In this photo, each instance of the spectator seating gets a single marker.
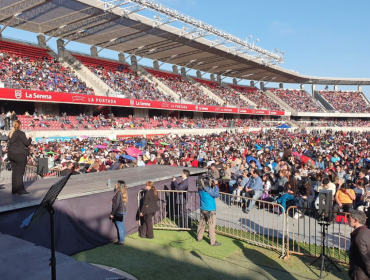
(122, 79)
(183, 88)
(299, 100)
(29, 67)
(258, 97)
(347, 101)
(84, 122)
(336, 123)
(228, 95)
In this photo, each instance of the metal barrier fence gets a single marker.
(173, 214)
(258, 226)
(30, 173)
(304, 235)
(264, 225)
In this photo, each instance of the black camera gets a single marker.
(205, 180)
(3, 137)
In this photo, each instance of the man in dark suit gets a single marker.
(181, 198)
(359, 253)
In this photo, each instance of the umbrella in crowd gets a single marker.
(101, 146)
(250, 158)
(129, 157)
(302, 158)
(133, 152)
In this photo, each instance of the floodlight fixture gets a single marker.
(171, 57)
(190, 62)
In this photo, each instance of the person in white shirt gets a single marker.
(140, 162)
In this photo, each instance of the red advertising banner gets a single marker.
(59, 97)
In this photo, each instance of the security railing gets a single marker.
(30, 173)
(304, 235)
(264, 225)
(180, 210)
(173, 213)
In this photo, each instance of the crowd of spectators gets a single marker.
(261, 100)
(228, 95)
(299, 100)
(347, 101)
(123, 80)
(45, 73)
(186, 90)
(41, 122)
(337, 123)
(289, 167)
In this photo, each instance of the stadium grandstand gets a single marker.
(175, 93)
(119, 26)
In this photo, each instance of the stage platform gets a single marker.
(88, 184)
(83, 207)
(23, 260)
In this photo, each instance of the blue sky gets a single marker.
(321, 38)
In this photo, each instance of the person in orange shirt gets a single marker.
(344, 199)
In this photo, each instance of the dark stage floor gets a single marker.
(88, 184)
(23, 260)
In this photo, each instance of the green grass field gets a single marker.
(177, 255)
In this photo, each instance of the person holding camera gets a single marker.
(117, 215)
(208, 193)
(181, 198)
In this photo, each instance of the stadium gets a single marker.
(203, 98)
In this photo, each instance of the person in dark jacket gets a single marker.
(18, 152)
(118, 213)
(149, 207)
(359, 252)
(1, 161)
(181, 198)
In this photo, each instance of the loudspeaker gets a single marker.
(42, 166)
(325, 203)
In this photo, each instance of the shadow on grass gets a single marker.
(329, 268)
(151, 261)
(265, 262)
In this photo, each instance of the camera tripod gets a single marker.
(323, 257)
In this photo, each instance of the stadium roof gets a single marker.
(91, 22)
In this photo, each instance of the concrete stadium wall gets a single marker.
(335, 128)
(107, 133)
(332, 115)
